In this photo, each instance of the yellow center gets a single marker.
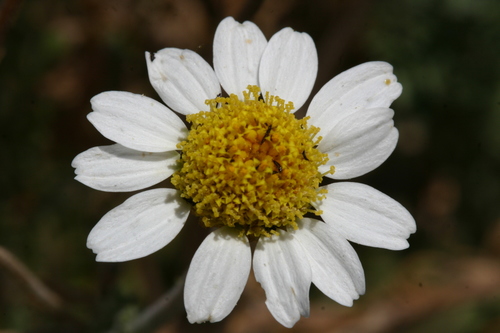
(250, 164)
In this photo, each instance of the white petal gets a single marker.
(119, 169)
(136, 122)
(283, 270)
(237, 51)
(366, 86)
(217, 276)
(289, 66)
(183, 79)
(367, 216)
(336, 269)
(359, 143)
(143, 224)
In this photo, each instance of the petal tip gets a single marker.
(193, 319)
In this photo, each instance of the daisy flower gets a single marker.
(250, 170)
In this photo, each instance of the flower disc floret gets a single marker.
(250, 164)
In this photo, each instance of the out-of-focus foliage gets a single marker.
(446, 169)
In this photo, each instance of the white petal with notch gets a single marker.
(289, 66)
(366, 86)
(238, 48)
(116, 168)
(359, 143)
(336, 268)
(281, 267)
(136, 122)
(143, 224)
(366, 216)
(217, 276)
(183, 79)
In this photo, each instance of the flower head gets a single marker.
(250, 170)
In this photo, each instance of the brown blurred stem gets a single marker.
(158, 313)
(432, 284)
(29, 280)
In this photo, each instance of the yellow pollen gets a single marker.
(250, 164)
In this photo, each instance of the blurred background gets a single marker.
(56, 54)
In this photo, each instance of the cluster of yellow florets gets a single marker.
(250, 163)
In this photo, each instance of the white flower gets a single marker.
(352, 115)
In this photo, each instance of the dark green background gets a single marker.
(55, 55)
